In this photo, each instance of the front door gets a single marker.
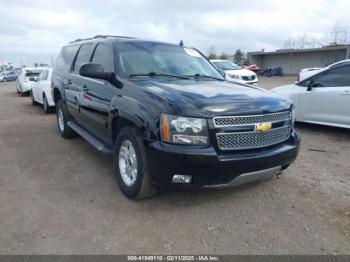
(329, 99)
(96, 95)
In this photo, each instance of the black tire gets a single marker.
(46, 107)
(34, 103)
(66, 131)
(143, 186)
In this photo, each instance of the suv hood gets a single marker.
(213, 98)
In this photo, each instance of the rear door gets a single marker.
(329, 99)
(76, 83)
(97, 94)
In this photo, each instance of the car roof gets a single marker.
(34, 68)
(114, 39)
(340, 63)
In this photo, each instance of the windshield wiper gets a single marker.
(204, 76)
(154, 74)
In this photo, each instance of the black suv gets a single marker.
(169, 117)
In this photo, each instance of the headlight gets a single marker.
(293, 117)
(184, 130)
(234, 76)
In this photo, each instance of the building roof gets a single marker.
(288, 51)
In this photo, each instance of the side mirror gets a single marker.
(94, 70)
(33, 79)
(309, 85)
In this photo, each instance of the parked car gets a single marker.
(26, 78)
(234, 72)
(41, 91)
(256, 69)
(168, 116)
(323, 98)
(275, 71)
(308, 72)
(8, 76)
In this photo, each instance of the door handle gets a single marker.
(69, 82)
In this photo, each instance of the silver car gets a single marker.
(323, 98)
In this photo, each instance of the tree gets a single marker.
(212, 53)
(338, 34)
(239, 56)
(223, 56)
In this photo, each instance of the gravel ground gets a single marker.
(59, 197)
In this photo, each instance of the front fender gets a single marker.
(135, 112)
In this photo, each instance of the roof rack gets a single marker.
(101, 36)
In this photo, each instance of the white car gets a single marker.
(26, 78)
(308, 72)
(323, 98)
(236, 73)
(41, 91)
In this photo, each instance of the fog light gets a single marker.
(181, 179)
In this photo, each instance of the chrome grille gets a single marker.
(251, 140)
(226, 121)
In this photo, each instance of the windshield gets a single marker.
(157, 59)
(226, 65)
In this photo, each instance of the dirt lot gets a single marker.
(59, 197)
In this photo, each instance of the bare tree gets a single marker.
(223, 56)
(212, 53)
(338, 34)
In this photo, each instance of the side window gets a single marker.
(84, 55)
(103, 57)
(334, 77)
(66, 57)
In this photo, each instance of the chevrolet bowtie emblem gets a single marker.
(263, 127)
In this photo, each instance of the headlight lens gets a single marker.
(234, 76)
(184, 130)
(293, 117)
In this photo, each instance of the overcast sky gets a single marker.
(35, 30)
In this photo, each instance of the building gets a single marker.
(293, 60)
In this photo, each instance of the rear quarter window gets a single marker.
(65, 58)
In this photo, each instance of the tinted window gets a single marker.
(103, 57)
(335, 77)
(84, 55)
(33, 73)
(226, 65)
(66, 57)
(147, 57)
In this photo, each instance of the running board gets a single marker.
(100, 146)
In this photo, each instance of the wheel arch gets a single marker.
(56, 95)
(123, 119)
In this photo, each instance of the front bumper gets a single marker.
(210, 168)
